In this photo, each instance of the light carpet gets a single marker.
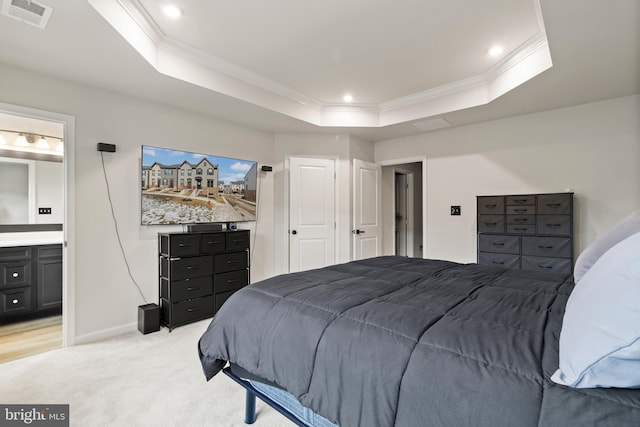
(132, 380)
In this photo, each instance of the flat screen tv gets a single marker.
(180, 187)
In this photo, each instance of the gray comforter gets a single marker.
(394, 341)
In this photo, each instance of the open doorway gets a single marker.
(403, 207)
(33, 171)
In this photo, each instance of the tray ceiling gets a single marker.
(400, 61)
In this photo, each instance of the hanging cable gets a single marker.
(115, 223)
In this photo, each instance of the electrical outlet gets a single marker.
(44, 211)
(456, 210)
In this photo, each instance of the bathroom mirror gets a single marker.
(31, 174)
(31, 192)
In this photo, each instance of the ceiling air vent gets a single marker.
(27, 11)
(432, 124)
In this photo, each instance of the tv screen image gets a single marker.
(181, 187)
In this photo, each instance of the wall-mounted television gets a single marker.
(181, 187)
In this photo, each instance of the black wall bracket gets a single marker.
(109, 148)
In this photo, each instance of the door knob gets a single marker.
(358, 231)
(294, 232)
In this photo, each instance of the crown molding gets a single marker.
(178, 60)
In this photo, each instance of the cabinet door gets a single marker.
(49, 283)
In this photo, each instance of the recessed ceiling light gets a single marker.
(496, 51)
(347, 98)
(172, 11)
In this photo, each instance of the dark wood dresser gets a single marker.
(528, 232)
(199, 272)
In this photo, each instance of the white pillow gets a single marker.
(625, 228)
(600, 336)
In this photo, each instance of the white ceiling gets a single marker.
(284, 65)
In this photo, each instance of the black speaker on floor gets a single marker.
(148, 318)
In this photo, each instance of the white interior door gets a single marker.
(311, 213)
(367, 209)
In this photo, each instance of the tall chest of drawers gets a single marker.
(528, 232)
(199, 272)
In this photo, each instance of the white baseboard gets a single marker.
(105, 334)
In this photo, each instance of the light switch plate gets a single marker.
(456, 210)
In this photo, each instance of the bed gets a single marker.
(395, 341)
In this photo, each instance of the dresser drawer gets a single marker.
(221, 298)
(521, 210)
(180, 290)
(554, 265)
(521, 229)
(192, 310)
(16, 273)
(212, 243)
(521, 219)
(550, 204)
(500, 244)
(554, 225)
(231, 262)
(186, 268)
(491, 223)
(525, 199)
(547, 246)
(15, 301)
(230, 281)
(15, 253)
(490, 205)
(238, 240)
(499, 260)
(178, 245)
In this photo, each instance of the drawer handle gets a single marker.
(520, 220)
(184, 245)
(546, 267)
(553, 205)
(554, 225)
(15, 301)
(491, 224)
(192, 310)
(520, 200)
(520, 210)
(521, 229)
(232, 261)
(498, 262)
(497, 244)
(231, 281)
(545, 247)
(15, 274)
(238, 240)
(490, 206)
(214, 243)
(193, 288)
(193, 267)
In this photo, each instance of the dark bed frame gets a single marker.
(250, 401)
